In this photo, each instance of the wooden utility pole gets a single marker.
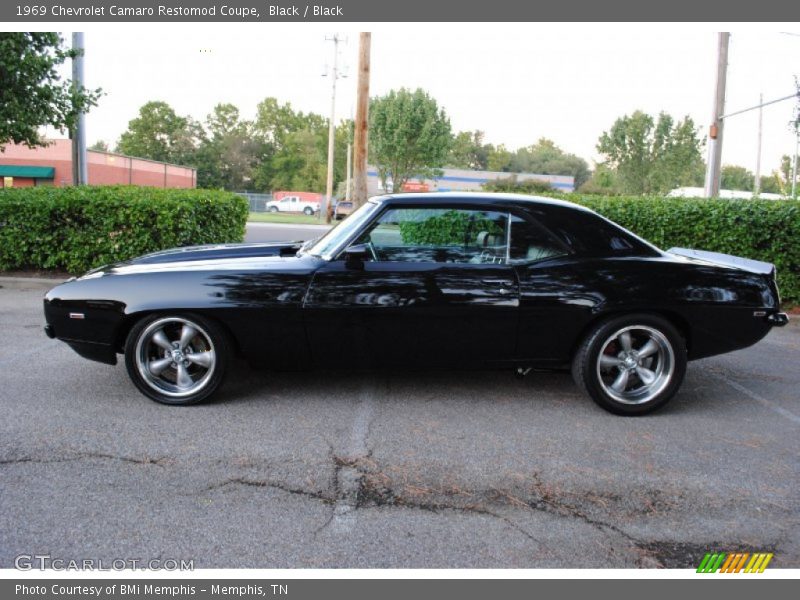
(348, 178)
(361, 140)
(715, 131)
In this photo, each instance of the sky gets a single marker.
(515, 82)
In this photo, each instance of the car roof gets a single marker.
(461, 198)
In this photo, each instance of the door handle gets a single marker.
(503, 286)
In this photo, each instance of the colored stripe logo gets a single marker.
(734, 562)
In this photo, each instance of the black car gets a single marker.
(426, 281)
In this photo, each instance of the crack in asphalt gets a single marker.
(159, 462)
(264, 483)
(370, 487)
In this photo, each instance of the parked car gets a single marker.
(426, 281)
(293, 204)
(343, 209)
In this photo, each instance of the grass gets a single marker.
(296, 219)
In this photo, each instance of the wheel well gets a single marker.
(130, 320)
(676, 320)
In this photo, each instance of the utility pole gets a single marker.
(757, 184)
(715, 131)
(332, 129)
(349, 175)
(796, 124)
(80, 175)
(361, 141)
(794, 161)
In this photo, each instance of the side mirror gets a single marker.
(355, 255)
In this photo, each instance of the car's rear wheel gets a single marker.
(631, 365)
(308, 210)
(177, 359)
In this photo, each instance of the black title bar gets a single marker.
(397, 11)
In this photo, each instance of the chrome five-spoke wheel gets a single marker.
(175, 359)
(635, 364)
(631, 365)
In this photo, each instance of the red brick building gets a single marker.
(21, 166)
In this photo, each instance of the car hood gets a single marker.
(213, 256)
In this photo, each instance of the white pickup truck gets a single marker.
(293, 204)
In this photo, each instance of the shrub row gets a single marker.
(767, 230)
(78, 228)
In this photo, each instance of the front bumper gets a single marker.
(50, 331)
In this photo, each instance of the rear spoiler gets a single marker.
(726, 260)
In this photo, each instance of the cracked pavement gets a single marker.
(396, 469)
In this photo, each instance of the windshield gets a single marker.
(331, 241)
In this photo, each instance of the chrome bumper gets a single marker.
(778, 319)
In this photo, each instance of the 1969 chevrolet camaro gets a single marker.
(426, 281)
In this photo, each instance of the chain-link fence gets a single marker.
(258, 202)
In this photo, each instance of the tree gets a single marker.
(603, 181)
(100, 145)
(409, 136)
(771, 184)
(786, 174)
(469, 152)
(273, 125)
(300, 164)
(499, 159)
(652, 156)
(546, 158)
(158, 133)
(228, 152)
(511, 184)
(32, 94)
(734, 177)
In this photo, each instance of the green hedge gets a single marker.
(78, 228)
(767, 230)
(446, 229)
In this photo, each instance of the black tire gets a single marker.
(272, 209)
(308, 210)
(210, 344)
(627, 393)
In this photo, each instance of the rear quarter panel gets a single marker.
(712, 306)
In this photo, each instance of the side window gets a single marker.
(439, 235)
(530, 243)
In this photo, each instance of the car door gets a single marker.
(435, 290)
(555, 300)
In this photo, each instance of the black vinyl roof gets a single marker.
(477, 198)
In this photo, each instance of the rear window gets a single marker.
(587, 231)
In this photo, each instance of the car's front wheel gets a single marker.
(177, 359)
(273, 209)
(631, 365)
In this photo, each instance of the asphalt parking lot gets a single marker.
(447, 469)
